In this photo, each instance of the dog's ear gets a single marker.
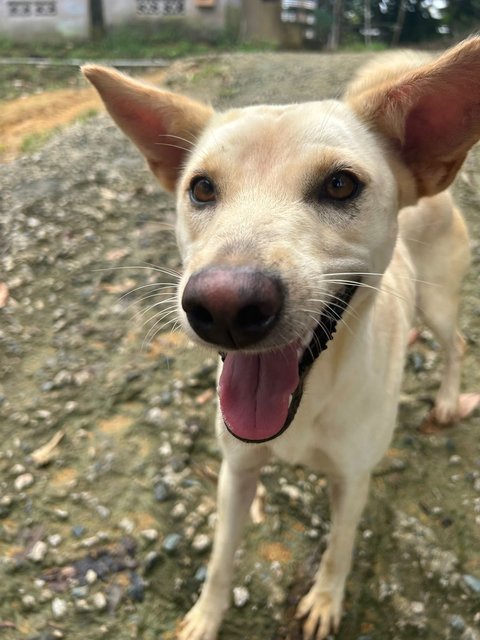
(431, 115)
(163, 125)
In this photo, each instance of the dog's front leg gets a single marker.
(236, 490)
(322, 606)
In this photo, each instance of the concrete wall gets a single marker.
(125, 11)
(28, 19)
(212, 12)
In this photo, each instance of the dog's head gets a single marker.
(286, 213)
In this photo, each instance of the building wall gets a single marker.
(127, 11)
(25, 19)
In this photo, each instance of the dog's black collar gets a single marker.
(324, 331)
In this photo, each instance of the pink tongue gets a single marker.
(255, 390)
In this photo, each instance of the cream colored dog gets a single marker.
(310, 235)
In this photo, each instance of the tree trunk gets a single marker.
(398, 27)
(367, 23)
(334, 37)
(96, 18)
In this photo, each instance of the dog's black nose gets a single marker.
(232, 307)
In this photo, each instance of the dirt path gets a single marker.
(34, 117)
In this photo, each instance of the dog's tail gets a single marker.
(383, 69)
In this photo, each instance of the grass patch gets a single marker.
(173, 38)
(35, 141)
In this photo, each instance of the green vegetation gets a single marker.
(174, 39)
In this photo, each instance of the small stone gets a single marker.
(179, 511)
(99, 601)
(38, 551)
(241, 596)
(149, 534)
(151, 559)
(59, 608)
(78, 530)
(61, 514)
(201, 543)
(155, 417)
(161, 492)
(82, 606)
(18, 469)
(28, 602)
(473, 582)
(171, 542)
(103, 512)
(455, 460)
(91, 576)
(24, 481)
(127, 525)
(201, 574)
(457, 623)
(80, 592)
(136, 590)
(54, 540)
(165, 450)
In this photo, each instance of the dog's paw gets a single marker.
(201, 622)
(446, 413)
(322, 610)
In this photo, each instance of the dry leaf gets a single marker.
(45, 454)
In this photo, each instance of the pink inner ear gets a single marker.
(146, 127)
(436, 125)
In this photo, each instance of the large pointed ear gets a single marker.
(431, 114)
(163, 125)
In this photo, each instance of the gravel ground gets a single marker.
(107, 462)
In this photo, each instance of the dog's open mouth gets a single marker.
(261, 392)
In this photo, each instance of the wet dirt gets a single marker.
(105, 532)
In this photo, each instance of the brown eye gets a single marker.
(202, 191)
(341, 185)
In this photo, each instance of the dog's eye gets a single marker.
(202, 191)
(340, 185)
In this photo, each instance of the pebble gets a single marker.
(38, 551)
(161, 492)
(201, 543)
(80, 592)
(151, 559)
(55, 540)
(59, 608)
(127, 525)
(201, 574)
(473, 582)
(82, 606)
(24, 481)
(179, 511)
(457, 623)
(136, 590)
(149, 534)
(28, 602)
(99, 601)
(91, 576)
(78, 530)
(171, 542)
(155, 417)
(241, 596)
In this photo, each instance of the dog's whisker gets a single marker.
(161, 319)
(175, 137)
(160, 285)
(142, 312)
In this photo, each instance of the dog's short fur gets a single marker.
(279, 208)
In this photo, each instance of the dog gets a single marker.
(311, 235)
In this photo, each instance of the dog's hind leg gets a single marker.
(236, 490)
(322, 606)
(437, 238)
